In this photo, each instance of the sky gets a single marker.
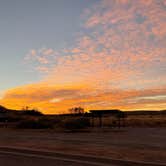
(98, 54)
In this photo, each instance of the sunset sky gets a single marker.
(97, 54)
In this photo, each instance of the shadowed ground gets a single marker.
(136, 144)
(16, 160)
(18, 156)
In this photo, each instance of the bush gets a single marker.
(32, 112)
(35, 124)
(76, 123)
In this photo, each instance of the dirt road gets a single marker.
(18, 157)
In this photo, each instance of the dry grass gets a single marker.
(135, 121)
(146, 121)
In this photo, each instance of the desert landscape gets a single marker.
(140, 138)
(83, 83)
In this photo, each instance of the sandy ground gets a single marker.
(137, 144)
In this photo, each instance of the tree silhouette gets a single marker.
(76, 110)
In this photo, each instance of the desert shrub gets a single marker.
(146, 121)
(32, 112)
(75, 123)
(53, 120)
(46, 123)
(35, 124)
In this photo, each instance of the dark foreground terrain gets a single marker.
(17, 156)
(134, 144)
(15, 160)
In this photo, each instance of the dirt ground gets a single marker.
(137, 144)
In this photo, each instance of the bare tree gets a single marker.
(76, 110)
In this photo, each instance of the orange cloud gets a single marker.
(52, 99)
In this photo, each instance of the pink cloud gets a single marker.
(126, 40)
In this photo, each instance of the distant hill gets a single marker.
(33, 112)
(6, 110)
(11, 115)
(2, 109)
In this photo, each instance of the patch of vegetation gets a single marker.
(32, 112)
(35, 124)
(75, 123)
